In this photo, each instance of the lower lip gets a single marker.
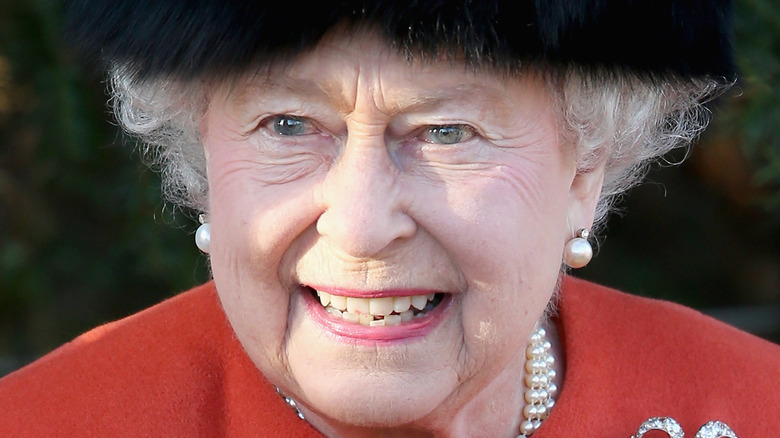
(416, 328)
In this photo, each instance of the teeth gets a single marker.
(381, 306)
(402, 304)
(392, 320)
(365, 318)
(338, 302)
(357, 305)
(388, 311)
(324, 298)
(351, 317)
(419, 301)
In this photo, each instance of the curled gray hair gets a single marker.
(628, 121)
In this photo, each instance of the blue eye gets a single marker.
(290, 126)
(447, 134)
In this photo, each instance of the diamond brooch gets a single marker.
(713, 429)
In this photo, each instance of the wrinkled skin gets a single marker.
(357, 192)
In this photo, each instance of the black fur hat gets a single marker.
(188, 38)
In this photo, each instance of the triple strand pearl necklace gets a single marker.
(539, 383)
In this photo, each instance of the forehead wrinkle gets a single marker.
(409, 100)
(255, 89)
(407, 97)
(469, 95)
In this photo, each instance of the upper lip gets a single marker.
(376, 293)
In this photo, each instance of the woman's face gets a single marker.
(388, 184)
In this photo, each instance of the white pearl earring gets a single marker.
(203, 235)
(578, 252)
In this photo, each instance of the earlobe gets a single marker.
(583, 198)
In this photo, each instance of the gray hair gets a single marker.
(627, 120)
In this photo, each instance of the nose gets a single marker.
(363, 201)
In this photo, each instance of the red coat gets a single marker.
(176, 369)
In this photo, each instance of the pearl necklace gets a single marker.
(539, 383)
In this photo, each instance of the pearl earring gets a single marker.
(578, 252)
(203, 235)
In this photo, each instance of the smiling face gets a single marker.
(352, 188)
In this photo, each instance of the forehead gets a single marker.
(343, 67)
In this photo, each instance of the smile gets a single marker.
(376, 316)
(380, 311)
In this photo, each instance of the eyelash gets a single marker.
(286, 125)
(465, 132)
(294, 126)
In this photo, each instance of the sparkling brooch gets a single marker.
(713, 429)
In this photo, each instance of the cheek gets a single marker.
(508, 212)
(257, 198)
(504, 228)
(254, 222)
(253, 226)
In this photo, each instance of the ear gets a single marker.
(584, 196)
(203, 130)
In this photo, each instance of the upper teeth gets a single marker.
(391, 310)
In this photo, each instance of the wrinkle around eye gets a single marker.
(289, 169)
(278, 170)
(449, 172)
(272, 147)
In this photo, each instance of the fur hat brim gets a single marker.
(189, 38)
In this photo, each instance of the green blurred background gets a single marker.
(85, 238)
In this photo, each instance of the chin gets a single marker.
(374, 386)
(357, 406)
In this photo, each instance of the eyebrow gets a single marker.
(330, 92)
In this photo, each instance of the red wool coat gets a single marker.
(176, 370)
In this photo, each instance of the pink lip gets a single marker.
(372, 293)
(415, 328)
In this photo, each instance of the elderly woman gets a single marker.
(390, 195)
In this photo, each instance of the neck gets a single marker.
(498, 410)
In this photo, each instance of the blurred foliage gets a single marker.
(753, 119)
(707, 233)
(85, 239)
